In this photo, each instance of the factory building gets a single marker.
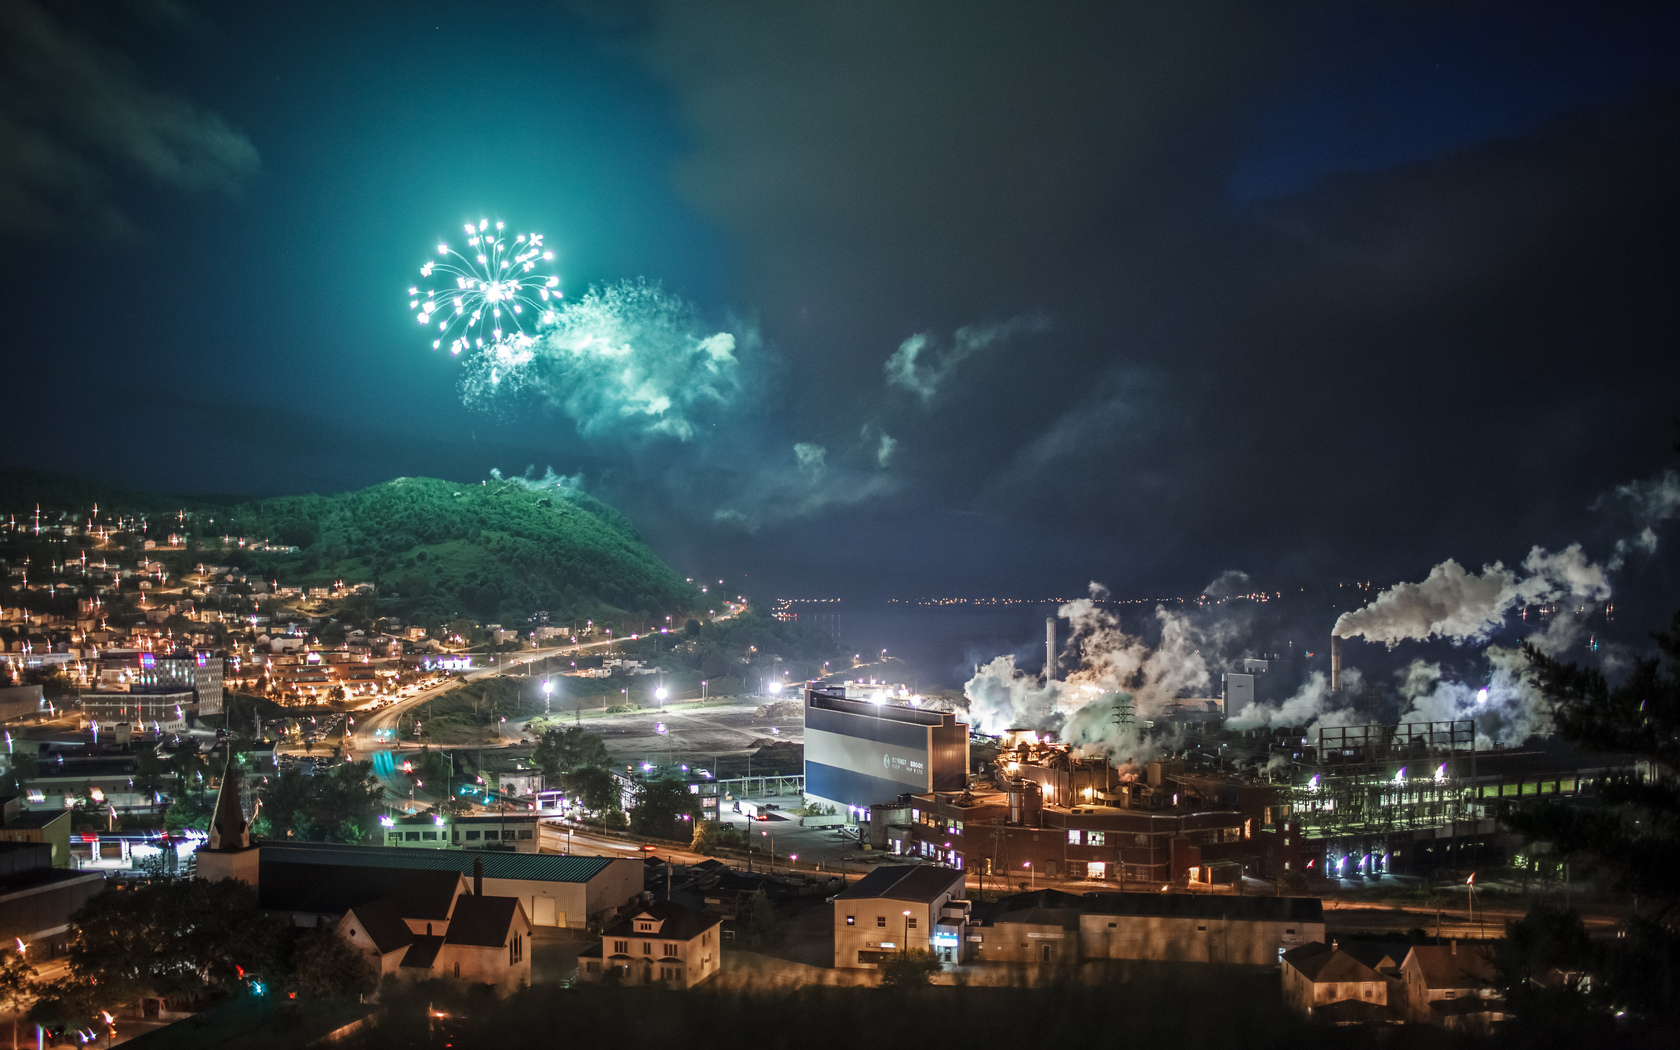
(1388, 799)
(1049, 813)
(863, 753)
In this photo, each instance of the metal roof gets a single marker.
(904, 882)
(535, 867)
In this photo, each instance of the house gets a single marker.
(426, 926)
(487, 943)
(1452, 986)
(1317, 975)
(897, 907)
(378, 930)
(662, 943)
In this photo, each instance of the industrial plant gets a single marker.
(1213, 806)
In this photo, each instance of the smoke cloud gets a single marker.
(628, 360)
(1313, 706)
(561, 485)
(1650, 503)
(920, 366)
(1228, 583)
(1463, 607)
(885, 449)
(811, 457)
(1113, 669)
(1508, 709)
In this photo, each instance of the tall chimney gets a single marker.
(1049, 649)
(1335, 663)
(478, 876)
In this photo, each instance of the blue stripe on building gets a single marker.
(850, 788)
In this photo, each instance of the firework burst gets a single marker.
(498, 289)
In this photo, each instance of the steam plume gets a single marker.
(1113, 668)
(1462, 606)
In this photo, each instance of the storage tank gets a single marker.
(1026, 803)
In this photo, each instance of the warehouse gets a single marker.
(554, 891)
(1177, 927)
(1056, 928)
(860, 753)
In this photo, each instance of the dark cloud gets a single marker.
(1333, 379)
(75, 118)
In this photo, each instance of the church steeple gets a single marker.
(228, 828)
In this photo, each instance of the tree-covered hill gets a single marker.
(434, 549)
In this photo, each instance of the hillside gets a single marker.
(497, 550)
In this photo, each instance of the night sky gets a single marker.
(1314, 291)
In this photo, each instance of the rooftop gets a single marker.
(1038, 908)
(536, 867)
(423, 952)
(287, 884)
(1451, 965)
(1198, 906)
(1323, 963)
(674, 921)
(481, 922)
(920, 883)
(383, 921)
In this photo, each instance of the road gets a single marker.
(367, 743)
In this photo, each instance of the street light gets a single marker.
(906, 948)
(1028, 866)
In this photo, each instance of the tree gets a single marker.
(17, 985)
(149, 773)
(911, 968)
(176, 939)
(1630, 830)
(325, 966)
(64, 1003)
(712, 835)
(755, 918)
(595, 788)
(1541, 963)
(569, 750)
(321, 807)
(664, 809)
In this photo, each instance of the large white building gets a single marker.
(861, 753)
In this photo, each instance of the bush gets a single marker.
(910, 968)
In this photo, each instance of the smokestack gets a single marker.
(1335, 663)
(1049, 649)
(478, 876)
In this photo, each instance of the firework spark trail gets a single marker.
(495, 281)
